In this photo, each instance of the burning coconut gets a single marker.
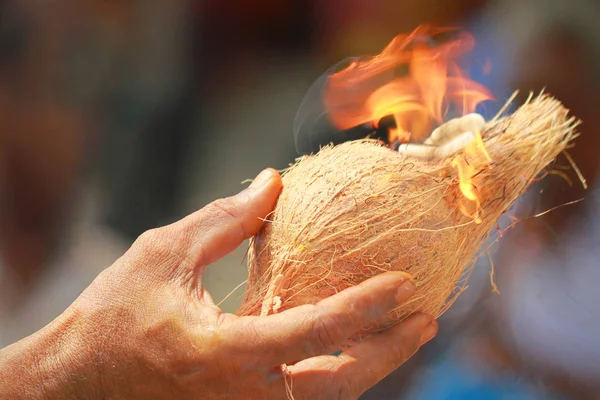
(422, 199)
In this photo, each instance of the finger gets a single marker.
(372, 360)
(220, 227)
(361, 367)
(312, 330)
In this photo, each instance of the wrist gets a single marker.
(53, 363)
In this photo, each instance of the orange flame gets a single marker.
(478, 158)
(369, 89)
(467, 187)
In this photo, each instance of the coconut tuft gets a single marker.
(358, 209)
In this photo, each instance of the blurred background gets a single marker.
(120, 116)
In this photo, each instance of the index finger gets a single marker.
(212, 232)
(219, 227)
(312, 330)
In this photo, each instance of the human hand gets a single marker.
(146, 328)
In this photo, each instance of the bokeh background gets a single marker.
(120, 116)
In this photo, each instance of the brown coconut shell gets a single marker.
(358, 209)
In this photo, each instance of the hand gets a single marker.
(147, 328)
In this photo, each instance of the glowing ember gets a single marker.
(433, 86)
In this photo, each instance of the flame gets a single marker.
(478, 158)
(369, 88)
(434, 85)
(467, 187)
(465, 173)
(477, 152)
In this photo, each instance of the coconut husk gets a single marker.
(358, 209)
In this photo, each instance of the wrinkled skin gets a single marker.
(146, 328)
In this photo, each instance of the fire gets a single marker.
(370, 88)
(478, 158)
(432, 87)
(466, 172)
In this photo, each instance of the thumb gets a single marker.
(221, 226)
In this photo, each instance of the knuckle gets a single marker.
(400, 355)
(365, 305)
(327, 331)
(251, 333)
(151, 239)
(158, 245)
(223, 206)
(401, 352)
(226, 209)
(347, 388)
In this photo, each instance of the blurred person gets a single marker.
(148, 328)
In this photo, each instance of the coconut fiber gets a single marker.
(358, 209)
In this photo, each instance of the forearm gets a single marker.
(53, 363)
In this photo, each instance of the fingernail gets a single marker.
(407, 289)
(429, 332)
(262, 179)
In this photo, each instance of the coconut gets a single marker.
(358, 209)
